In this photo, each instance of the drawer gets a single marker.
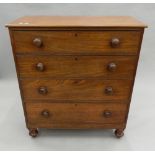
(77, 89)
(77, 42)
(77, 66)
(74, 114)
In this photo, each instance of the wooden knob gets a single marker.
(107, 113)
(37, 42)
(112, 66)
(40, 67)
(42, 90)
(109, 90)
(45, 113)
(115, 42)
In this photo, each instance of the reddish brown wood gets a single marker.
(115, 42)
(77, 21)
(17, 72)
(112, 66)
(37, 42)
(42, 90)
(40, 67)
(107, 113)
(84, 42)
(80, 113)
(85, 89)
(78, 75)
(45, 113)
(76, 66)
(33, 132)
(119, 133)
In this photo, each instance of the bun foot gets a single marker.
(119, 133)
(33, 132)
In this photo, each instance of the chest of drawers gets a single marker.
(76, 72)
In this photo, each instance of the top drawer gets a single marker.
(77, 42)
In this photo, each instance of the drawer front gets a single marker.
(60, 114)
(77, 42)
(77, 66)
(85, 89)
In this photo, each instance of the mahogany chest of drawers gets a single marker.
(76, 72)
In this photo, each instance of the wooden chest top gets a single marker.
(77, 21)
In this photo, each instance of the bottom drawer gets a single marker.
(64, 115)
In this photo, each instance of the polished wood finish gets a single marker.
(40, 67)
(78, 113)
(77, 42)
(45, 113)
(76, 72)
(33, 132)
(115, 42)
(42, 90)
(37, 42)
(76, 66)
(77, 21)
(71, 89)
(119, 133)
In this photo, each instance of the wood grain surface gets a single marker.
(77, 42)
(62, 65)
(77, 21)
(74, 113)
(85, 89)
(76, 66)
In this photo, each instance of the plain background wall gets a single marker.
(140, 132)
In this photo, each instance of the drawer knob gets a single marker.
(42, 90)
(37, 42)
(112, 66)
(45, 113)
(115, 42)
(107, 113)
(40, 67)
(109, 90)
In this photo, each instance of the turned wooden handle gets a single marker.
(115, 42)
(112, 66)
(40, 67)
(109, 90)
(45, 113)
(37, 42)
(107, 113)
(42, 90)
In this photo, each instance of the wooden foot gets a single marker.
(33, 132)
(119, 133)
